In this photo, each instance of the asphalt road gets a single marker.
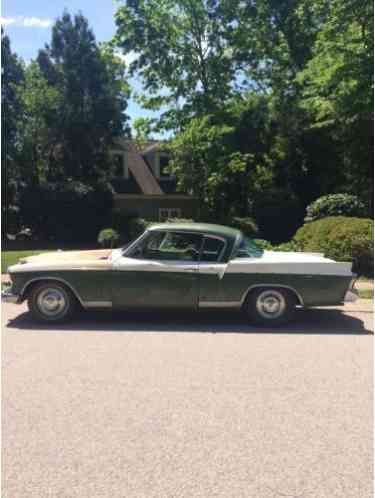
(183, 405)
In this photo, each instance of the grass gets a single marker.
(9, 258)
(366, 293)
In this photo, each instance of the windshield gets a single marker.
(248, 249)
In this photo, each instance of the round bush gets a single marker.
(341, 238)
(108, 237)
(335, 205)
(290, 246)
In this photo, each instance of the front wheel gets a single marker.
(270, 306)
(51, 302)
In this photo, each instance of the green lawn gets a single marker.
(366, 293)
(9, 258)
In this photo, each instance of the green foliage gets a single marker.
(264, 244)
(89, 96)
(180, 54)
(335, 205)
(246, 225)
(341, 238)
(222, 159)
(290, 246)
(338, 86)
(12, 76)
(108, 237)
(69, 212)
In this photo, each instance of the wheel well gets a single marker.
(290, 290)
(30, 285)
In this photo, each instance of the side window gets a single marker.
(169, 246)
(212, 249)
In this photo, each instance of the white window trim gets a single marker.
(178, 210)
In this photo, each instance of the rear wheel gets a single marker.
(51, 302)
(270, 306)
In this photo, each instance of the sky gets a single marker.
(28, 25)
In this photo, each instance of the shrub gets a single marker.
(264, 244)
(341, 238)
(287, 246)
(246, 225)
(335, 205)
(108, 237)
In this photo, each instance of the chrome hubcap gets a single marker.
(270, 304)
(51, 301)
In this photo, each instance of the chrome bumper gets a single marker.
(7, 296)
(351, 296)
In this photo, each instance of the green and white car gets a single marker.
(181, 266)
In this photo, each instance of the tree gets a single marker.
(338, 88)
(222, 158)
(180, 53)
(12, 75)
(41, 103)
(92, 99)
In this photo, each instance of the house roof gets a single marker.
(141, 172)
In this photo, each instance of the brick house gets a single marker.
(144, 187)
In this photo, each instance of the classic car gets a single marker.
(181, 266)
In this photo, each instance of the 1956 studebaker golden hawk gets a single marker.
(181, 266)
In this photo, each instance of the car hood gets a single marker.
(63, 260)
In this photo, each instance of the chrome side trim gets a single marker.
(275, 286)
(219, 304)
(97, 304)
(56, 279)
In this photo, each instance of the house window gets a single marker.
(166, 213)
(163, 166)
(119, 165)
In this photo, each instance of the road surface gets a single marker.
(186, 405)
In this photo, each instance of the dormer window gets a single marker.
(163, 166)
(120, 169)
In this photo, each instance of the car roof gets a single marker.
(204, 228)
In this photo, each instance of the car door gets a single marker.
(161, 272)
(211, 271)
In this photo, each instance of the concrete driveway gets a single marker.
(185, 405)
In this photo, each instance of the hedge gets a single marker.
(341, 238)
(69, 212)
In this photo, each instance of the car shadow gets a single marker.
(311, 321)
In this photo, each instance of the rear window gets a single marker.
(248, 249)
